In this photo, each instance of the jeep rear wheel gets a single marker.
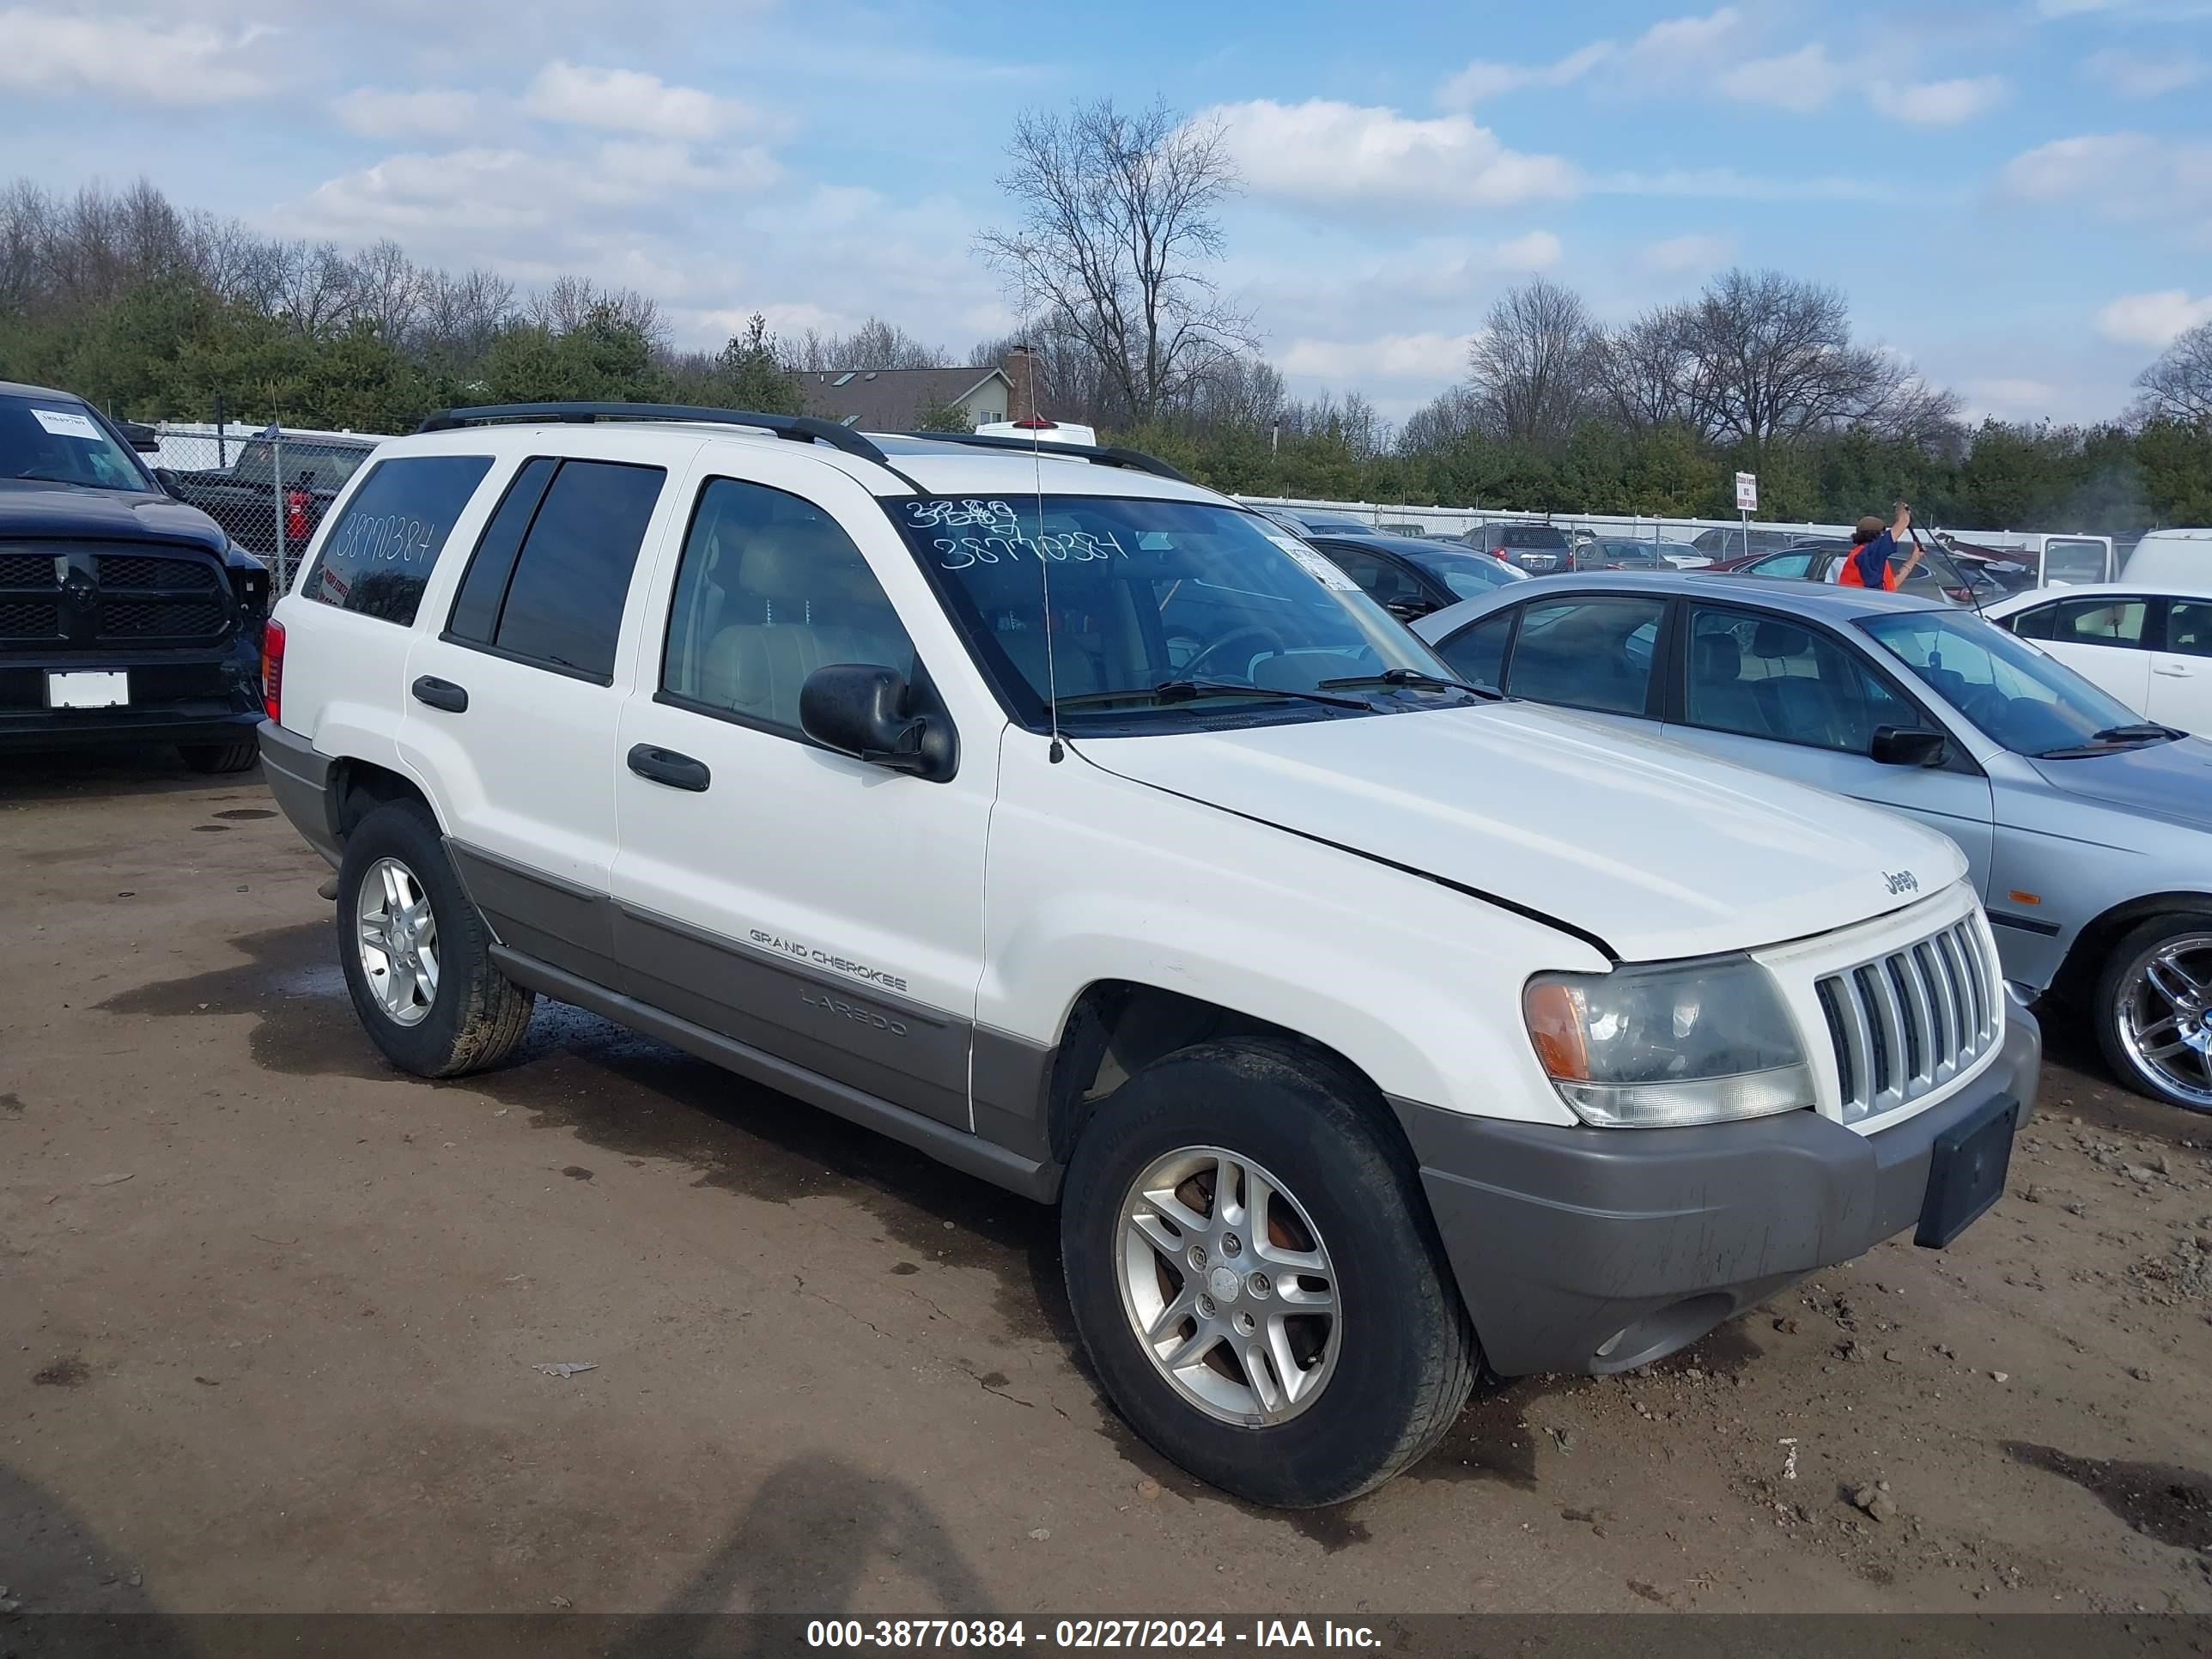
(417, 955)
(1253, 1269)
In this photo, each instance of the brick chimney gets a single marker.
(1021, 370)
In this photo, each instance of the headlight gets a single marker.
(1670, 1043)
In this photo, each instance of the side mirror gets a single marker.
(865, 711)
(166, 477)
(1411, 609)
(1895, 746)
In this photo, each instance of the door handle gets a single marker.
(441, 694)
(667, 766)
(2176, 672)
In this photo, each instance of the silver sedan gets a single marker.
(2089, 830)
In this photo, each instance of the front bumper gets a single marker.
(1598, 1250)
(176, 696)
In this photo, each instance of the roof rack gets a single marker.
(799, 428)
(1098, 454)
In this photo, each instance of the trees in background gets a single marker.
(154, 312)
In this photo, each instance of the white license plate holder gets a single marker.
(88, 689)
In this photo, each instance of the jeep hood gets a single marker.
(1651, 848)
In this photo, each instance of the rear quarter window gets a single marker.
(378, 554)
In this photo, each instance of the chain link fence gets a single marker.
(269, 487)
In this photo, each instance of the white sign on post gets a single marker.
(1747, 492)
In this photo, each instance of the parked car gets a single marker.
(1314, 524)
(125, 617)
(243, 498)
(750, 735)
(1728, 541)
(1410, 577)
(2009, 571)
(2149, 647)
(2172, 558)
(1538, 549)
(1823, 562)
(2088, 830)
(1615, 553)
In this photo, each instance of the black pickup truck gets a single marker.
(125, 615)
(243, 496)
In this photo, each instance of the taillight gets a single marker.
(272, 670)
(1496, 552)
(296, 502)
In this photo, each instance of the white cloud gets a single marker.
(2142, 75)
(430, 113)
(1537, 251)
(1394, 356)
(137, 57)
(1726, 183)
(1802, 81)
(1947, 103)
(2166, 182)
(2010, 398)
(1326, 153)
(629, 100)
(1482, 79)
(2155, 319)
(1691, 255)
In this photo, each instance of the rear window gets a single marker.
(1531, 535)
(309, 463)
(379, 552)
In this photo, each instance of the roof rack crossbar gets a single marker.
(1098, 454)
(799, 428)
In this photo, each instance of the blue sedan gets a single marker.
(2089, 828)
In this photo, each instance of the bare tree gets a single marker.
(460, 316)
(573, 301)
(312, 286)
(2180, 383)
(1645, 372)
(1117, 223)
(1774, 359)
(875, 344)
(1444, 422)
(1532, 366)
(388, 290)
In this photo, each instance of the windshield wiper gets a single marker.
(1415, 677)
(1172, 691)
(2115, 736)
(35, 473)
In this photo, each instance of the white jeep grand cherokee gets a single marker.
(1075, 826)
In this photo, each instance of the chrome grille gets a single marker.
(1910, 1021)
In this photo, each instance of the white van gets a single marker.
(2172, 558)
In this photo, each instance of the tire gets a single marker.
(464, 1015)
(1312, 1131)
(220, 757)
(2138, 1015)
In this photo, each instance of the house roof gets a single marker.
(887, 400)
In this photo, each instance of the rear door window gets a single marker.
(1587, 653)
(552, 593)
(379, 552)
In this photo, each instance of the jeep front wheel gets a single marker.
(1252, 1268)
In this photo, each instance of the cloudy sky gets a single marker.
(2017, 194)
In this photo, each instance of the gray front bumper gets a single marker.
(1596, 1251)
(298, 776)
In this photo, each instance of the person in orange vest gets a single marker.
(1871, 545)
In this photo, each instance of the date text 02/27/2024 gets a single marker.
(1137, 1635)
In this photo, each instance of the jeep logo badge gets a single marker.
(1901, 881)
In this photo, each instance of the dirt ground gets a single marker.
(275, 1321)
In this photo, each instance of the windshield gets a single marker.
(2014, 695)
(1146, 593)
(57, 440)
(1469, 575)
(307, 464)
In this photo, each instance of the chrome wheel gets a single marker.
(1228, 1286)
(398, 938)
(2164, 1016)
